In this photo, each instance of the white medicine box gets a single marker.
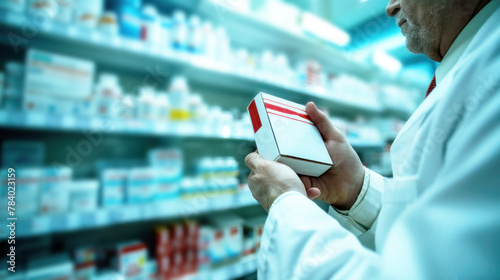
(284, 133)
(57, 83)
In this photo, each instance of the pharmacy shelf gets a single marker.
(250, 30)
(102, 217)
(135, 56)
(234, 270)
(242, 267)
(48, 122)
(398, 112)
(45, 122)
(365, 144)
(253, 31)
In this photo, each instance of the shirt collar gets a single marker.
(463, 40)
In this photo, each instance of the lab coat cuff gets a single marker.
(282, 196)
(367, 206)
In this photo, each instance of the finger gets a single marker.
(325, 127)
(252, 160)
(313, 193)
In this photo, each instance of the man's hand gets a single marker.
(341, 184)
(269, 179)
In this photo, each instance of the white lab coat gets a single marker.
(440, 215)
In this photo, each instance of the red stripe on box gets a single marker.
(133, 248)
(218, 235)
(84, 265)
(289, 118)
(286, 111)
(254, 116)
(283, 104)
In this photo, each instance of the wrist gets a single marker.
(282, 196)
(275, 193)
(354, 189)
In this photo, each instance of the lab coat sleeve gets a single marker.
(361, 218)
(364, 212)
(301, 241)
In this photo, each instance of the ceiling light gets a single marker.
(387, 62)
(323, 29)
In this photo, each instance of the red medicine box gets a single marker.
(284, 133)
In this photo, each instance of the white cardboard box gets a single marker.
(132, 257)
(284, 133)
(56, 83)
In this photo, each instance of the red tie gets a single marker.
(432, 86)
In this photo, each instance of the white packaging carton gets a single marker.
(83, 195)
(54, 198)
(113, 184)
(55, 83)
(204, 242)
(253, 229)
(54, 192)
(65, 11)
(132, 257)
(227, 240)
(169, 167)
(284, 133)
(141, 185)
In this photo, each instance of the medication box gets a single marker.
(227, 239)
(204, 238)
(253, 229)
(170, 160)
(169, 167)
(132, 258)
(55, 83)
(284, 133)
(113, 184)
(54, 191)
(141, 185)
(83, 195)
(129, 16)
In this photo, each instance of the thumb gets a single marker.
(252, 160)
(313, 193)
(325, 127)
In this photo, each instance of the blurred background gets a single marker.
(125, 123)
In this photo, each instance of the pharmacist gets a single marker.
(439, 218)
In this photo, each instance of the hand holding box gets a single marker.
(284, 133)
